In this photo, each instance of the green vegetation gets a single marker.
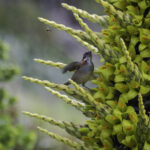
(118, 107)
(12, 135)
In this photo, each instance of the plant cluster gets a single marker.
(118, 108)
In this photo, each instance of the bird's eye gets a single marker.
(84, 57)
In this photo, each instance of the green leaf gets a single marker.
(146, 146)
(132, 1)
(145, 53)
(132, 30)
(147, 21)
(120, 4)
(135, 148)
(133, 84)
(122, 106)
(110, 94)
(134, 38)
(117, 129)
(142, 5)
(143, 66)
(107, 143)
(130, 109)
(146, 76)
(92, 125)
(111, 103)
(137, 21)
(118, 114)
(123, 59)
(128, 127)
(132, 115)
(142, 47)
(105, 133)
(144, 89)
(133, 10)
(99, 95)
(144, 35)
(123, 69)
(120, 137)
(107, 71)
(119, 78)
(103, 88)
(125, 97)
(112, 1)
(138, 59)
(112, 119)
(130, 141)
(122, 88)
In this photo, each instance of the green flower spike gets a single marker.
(50, 63)
(75, 145)
(59, 87)
(142, 110)
(90, 99)
(102, 47)
(68, 30)
(101, 20)
(71, 128)
(130, 64)
(80, 106)
(87, 45)
(47, 119)
(111, 9)
(85, 93)
(142, 130)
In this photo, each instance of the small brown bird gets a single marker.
(83, 69)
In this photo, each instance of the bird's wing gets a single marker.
(71, 67)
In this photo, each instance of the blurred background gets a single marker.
(28, 39)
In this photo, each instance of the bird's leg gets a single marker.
(67, 83)
(93, 76)
(83, 84)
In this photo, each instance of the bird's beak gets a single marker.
(84, 60)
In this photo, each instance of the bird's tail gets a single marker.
(67, 83)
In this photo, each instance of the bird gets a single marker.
(83, 69)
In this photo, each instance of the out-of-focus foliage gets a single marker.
(7, 70)
(12, 135)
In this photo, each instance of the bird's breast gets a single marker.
(83, 74)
